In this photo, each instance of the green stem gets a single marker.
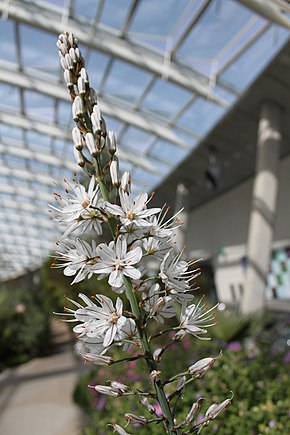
(149, 357)
(151, 363)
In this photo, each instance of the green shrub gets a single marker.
(256, 369)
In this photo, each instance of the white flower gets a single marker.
(164, 229)
(194, 319)
(102, 320)
(176, 276)
(116, 262)
(132, 211)
(78, 257)
(80, 209)
(156, 247)
(158, 307)
(128, 333)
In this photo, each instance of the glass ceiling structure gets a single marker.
(166, 72)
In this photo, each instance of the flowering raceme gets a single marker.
(137, 231)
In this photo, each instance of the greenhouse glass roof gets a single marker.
(166, 72)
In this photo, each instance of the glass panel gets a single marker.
(64, 113)
(39, 50)
(220, 22)
(38, 141)
(115, 12)
(96, 67)
(126, 82)
(9, 97)
(154, 20)
(85, 9)
(136, 139)
(7, 41)
(146, 178)
(165, 99)
(9, 132)
(168, 152)
(201, 116)
(246, 68)
(38, 105)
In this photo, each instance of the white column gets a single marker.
(181, 201)
(263, 211)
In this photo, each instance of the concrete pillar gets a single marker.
(263, 209)
(181, 201)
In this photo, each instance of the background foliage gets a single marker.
(255, 367)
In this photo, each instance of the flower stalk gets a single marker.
(137, 231)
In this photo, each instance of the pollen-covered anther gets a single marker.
(86, 203)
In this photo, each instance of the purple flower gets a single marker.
(286, 358)
(234, 346)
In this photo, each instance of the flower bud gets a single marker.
(93, 97)
(157, 354)
(77, 108)
(68, 78)
(103, 127)
(133, 418)
(215, 409)
(71, 40)
(147, 404)
(63, 62)
(111, 142)
(118, 386)
(69, 63)
(155, 376)
(109, 391)
(77, 138)
(201, 366)
(72, 54)
(118, 429)
(62, 48)
(77, 53)
(195, 408)
(84, 76)
(98, 360)
(79, 158)
(126, 182)
(81, 86)
(96, 123)
(91, 144)
(114, 171)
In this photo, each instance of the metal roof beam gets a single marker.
(110, 107)
(38, 16)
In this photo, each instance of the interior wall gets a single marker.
(224, 221)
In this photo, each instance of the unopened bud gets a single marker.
(71, 40)
(109, 391)
(96, 123)
(81, 86)
(72, 54)
(63, 62)
(62, 48)
(180, 384)
(77, 53)
(91, 144)
(195, 408)
(114, 171)
(84, 75)
(98, 360)
(147, 404)
(77, 138)
(157, 354)
(111, 142)
(215, 409)
(155, 376)
(201, 366)
(118, 429)
(133, 418)
(77, 108)
(93, 97)
(103, 127)
(126, 182)
(79, 158)
(68, 78)
(118, 386)
(69, 63)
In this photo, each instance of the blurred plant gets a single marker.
(24, 326)
(256, 368)
(137, 232)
